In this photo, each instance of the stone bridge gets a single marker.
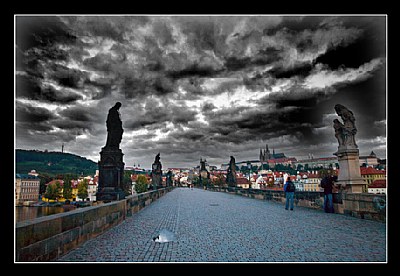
(221, 227)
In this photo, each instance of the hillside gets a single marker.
(53, 163)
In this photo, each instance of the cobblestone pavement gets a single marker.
(220, 227)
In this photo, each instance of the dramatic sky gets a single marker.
(196, 87)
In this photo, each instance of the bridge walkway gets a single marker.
(220, 227)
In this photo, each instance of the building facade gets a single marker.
(26, 188)
(370, 174)
(314, 163)
(312, 183)
(369, 160)
(266, 155)
(377, 187)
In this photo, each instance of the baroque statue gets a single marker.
(114, 127)
(231, 173)
(345, 132)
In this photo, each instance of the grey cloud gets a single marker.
(153, 114)
(29, 114)
(25, 129)
(151, 60)
(68, 77)
(62, 95)
(41, 31)
(80, 113)
(112, 27)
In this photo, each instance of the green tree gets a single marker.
(67, 188)
(195, 180)
(53, 191)
(127, 182)
(219, 180)
(141, 184)
(82, 189)
(44, 178)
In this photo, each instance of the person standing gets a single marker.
(289, 189)
(328, 183)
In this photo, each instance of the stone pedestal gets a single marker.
(204, 175)
(349, 177)
(111, 173)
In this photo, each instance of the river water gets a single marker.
(31, 212)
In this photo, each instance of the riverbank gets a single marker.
(40, 209)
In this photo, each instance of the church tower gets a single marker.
(267, 153)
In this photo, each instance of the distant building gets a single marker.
(314, 163)
(369, 160)
(241, 164)
(92, 188)
(266, 155)
(286, 161)
(33, 172)
(26, 188)
(311, 182)
(242, 182)
(370, 174)
(377, 187)
(176, 171)
(273, 159)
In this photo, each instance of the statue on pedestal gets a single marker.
(231, 174)
(350, 179)
(111, 165)
(156, 172)
(204, 175)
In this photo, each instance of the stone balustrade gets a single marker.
(46, 238)
(361, 205)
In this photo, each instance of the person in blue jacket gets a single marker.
(289, 189)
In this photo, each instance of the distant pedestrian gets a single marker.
(328, 183)
(289, 189)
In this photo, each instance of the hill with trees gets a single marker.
(53, 163)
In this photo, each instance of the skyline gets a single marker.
(196, 87)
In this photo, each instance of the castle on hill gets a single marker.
(266, 155)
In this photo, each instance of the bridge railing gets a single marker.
(363, 205)
(49, 237)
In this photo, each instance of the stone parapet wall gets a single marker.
(47, 238)
(366, 206)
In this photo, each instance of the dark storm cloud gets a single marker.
(29, 114)
(75, 127)
(27, 87)
(154, 114)
(194, 70)
(32, 88)
(79, 113)
(29, 130)
(201, 85)
(41, 31)
(302, 70)
(59, 95)
(67, 77)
